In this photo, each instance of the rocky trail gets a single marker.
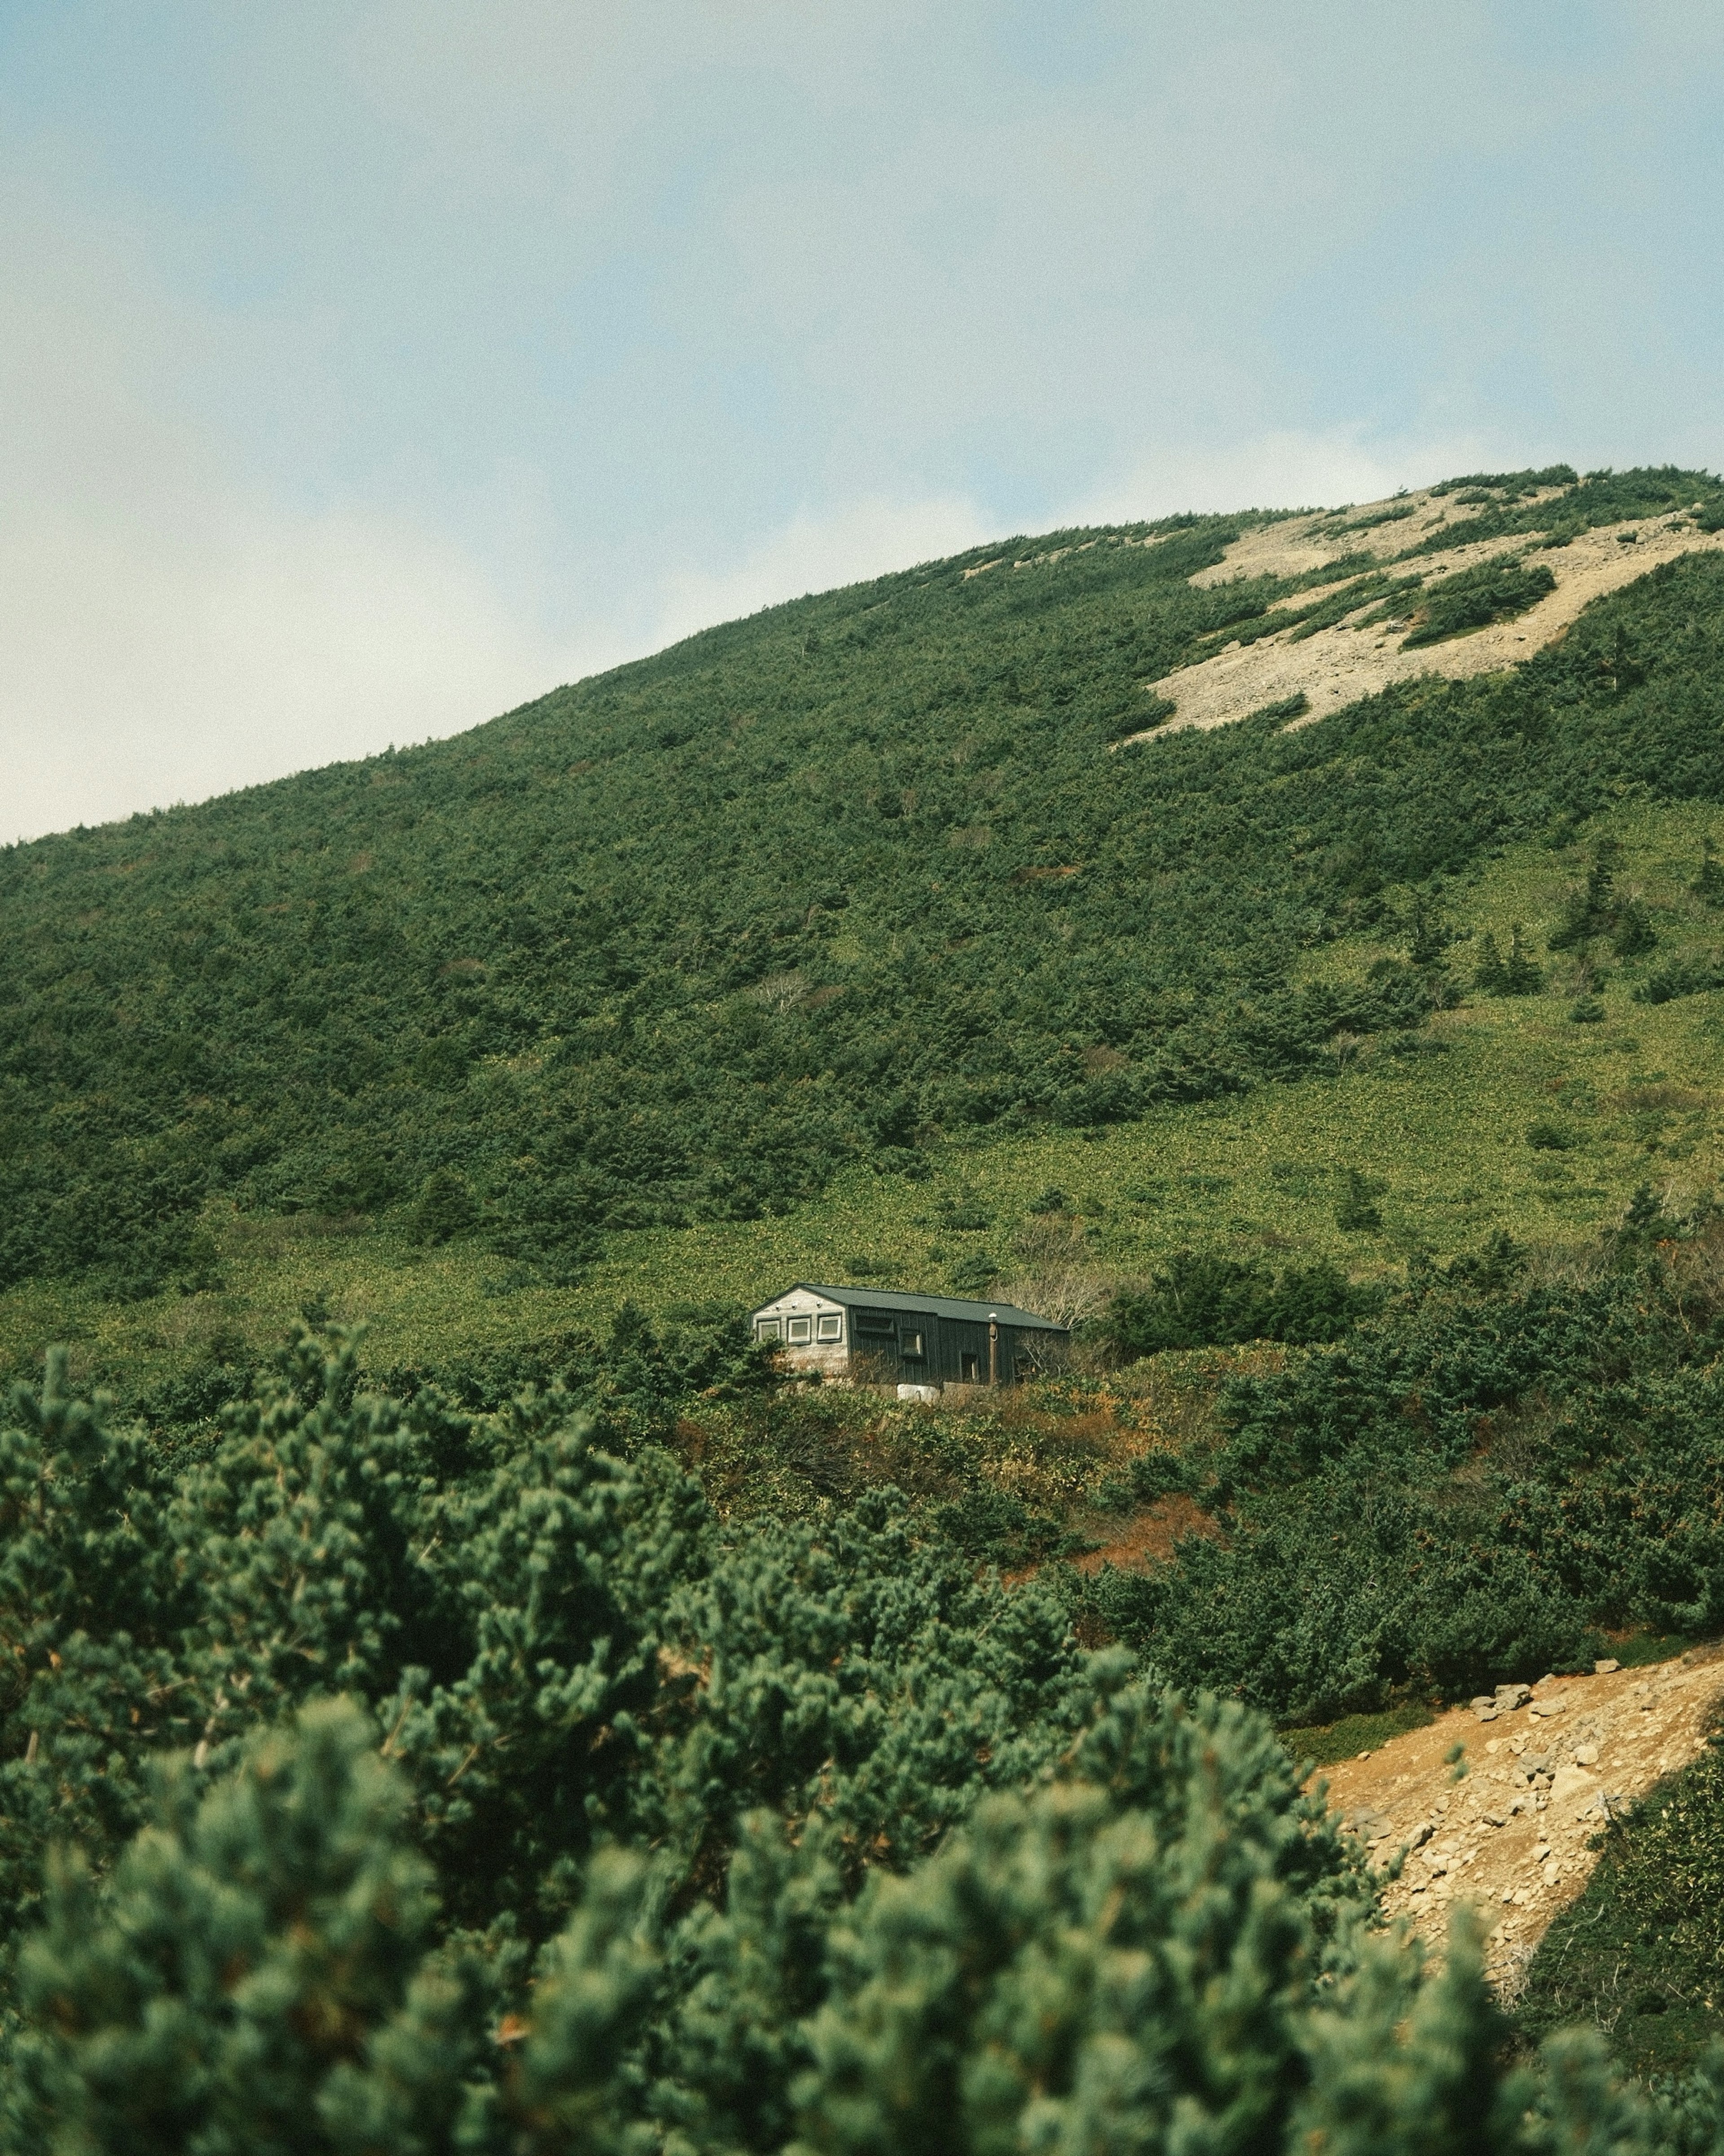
(1546, 1765)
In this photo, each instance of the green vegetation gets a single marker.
(447, 1782)
(1469, 1486)
(1473, 599)
(1331, 1743)
(543, 1726)
(1640, 1953)
(1204, 1300)
(835, 886)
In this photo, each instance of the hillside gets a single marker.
(829, 932)
(511, 1713)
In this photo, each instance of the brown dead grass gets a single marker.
(1149, 1535)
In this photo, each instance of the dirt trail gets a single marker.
(1511, 1838)
(1337, 665)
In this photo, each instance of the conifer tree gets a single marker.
(91, 1606)
(1632, 934)
(221, 1988)
(1520, 977)
(1489, 974)
(1356, 1210)
(1591, 911)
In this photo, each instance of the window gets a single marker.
(765, 1328)
(875, 1324)
(829, 1326)
(909, 1346)
(967, 1365)
(800, 1331)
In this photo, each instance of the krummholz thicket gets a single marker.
(602, 1743)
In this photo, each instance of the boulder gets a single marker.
(1571, 1783)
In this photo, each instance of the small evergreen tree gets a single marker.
(1708, 883)
(445, 1208)
(1356, 1210)
(1644, 1222)
(1427, 935)
(1633, 933)
(1591, 911)
(1520, 977)
(1490, 974)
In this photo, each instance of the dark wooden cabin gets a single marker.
(872, 1336)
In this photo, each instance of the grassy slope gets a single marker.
(1446, 1131)
(275, 1020)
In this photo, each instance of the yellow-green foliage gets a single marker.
(1639, 1093)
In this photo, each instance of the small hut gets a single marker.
(870, 1336)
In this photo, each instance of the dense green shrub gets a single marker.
(1159, 1947)
(1473, 599)
(665, 946)
(1201, 1299)
(1641, 1951)
(431, 1778)
(1387, 1526)
(1691, 976)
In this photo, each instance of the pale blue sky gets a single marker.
(369, 365)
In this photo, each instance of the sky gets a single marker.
(369, 367)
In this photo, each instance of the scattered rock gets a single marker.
(1605, 1667)
(1570, 1783)
(1512, 1696)
(1529, 1790)
(1550, 1707)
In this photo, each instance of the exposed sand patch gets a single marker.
(1509, 1839)
(1294, 546)
(1337, 667)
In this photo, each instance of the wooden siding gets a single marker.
(871, 1348)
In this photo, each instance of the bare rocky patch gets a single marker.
(1545, 1771)
(1356, 657)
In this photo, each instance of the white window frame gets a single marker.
(768, 1328)
(830, 1326)
(913, 1344)
(799, 1332)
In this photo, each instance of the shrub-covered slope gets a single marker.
(444, 1782)
(678, 943)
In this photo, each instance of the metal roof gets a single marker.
(941, 1306)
